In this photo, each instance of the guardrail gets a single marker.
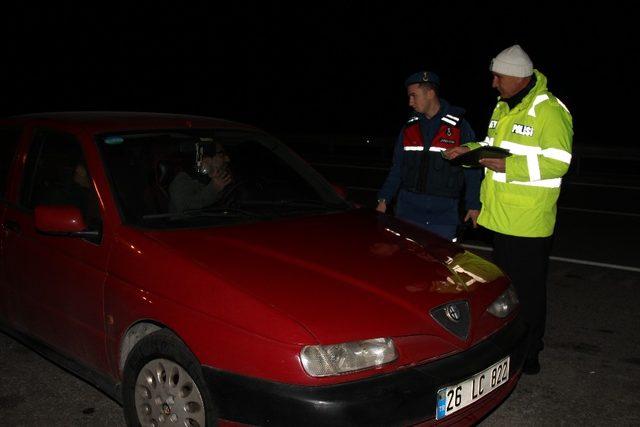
(376, 151)
(619, 161)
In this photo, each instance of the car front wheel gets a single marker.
(163, 385)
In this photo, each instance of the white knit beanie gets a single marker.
(513, 61)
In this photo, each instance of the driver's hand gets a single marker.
(220, 178)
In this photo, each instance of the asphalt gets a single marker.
(35, 392)
(591, 362)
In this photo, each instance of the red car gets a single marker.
(198, 271)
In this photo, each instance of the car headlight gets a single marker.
(336, 359)
(505, 303)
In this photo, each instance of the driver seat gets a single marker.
(163, 174)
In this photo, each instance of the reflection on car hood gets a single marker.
(342, 276)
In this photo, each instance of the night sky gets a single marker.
(311, 67)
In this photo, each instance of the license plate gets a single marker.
(455, 397)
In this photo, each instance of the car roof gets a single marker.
(108, 121)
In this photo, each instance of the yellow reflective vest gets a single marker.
(538, 132)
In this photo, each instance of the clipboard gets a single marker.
(472, 158)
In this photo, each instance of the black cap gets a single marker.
(422, 77)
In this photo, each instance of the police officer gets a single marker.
(519, 193)
(428, 187)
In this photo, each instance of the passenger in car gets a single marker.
(186, 192)
(82, 195)
(77, 191)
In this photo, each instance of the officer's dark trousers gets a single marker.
(526, 261)
(434, 213)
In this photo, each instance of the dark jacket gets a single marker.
(427, 172)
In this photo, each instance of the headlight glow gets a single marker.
(336, 359)
(505, 303)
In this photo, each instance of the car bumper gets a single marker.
(406, 397)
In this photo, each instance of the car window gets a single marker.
(56, 174)
(166, 179)
(9, 138)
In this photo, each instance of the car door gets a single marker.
(9, 138)
(59, 279)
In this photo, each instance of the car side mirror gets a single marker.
(63, 220)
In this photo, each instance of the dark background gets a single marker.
(314, 68)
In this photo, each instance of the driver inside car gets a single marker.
(187, 192)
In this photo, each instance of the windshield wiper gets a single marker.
(213, 212)
(294, 203)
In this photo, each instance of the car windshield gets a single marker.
(202, 178)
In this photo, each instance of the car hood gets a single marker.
(343, 276)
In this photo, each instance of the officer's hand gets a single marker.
(472, 214)
(497, 165)
(382, 207)
(454, 152)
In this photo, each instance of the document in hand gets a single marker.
(471, 158)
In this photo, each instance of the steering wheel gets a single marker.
(230, 193)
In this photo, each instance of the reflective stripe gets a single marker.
(453, 117)
(563, 106)
(534, 167)
(520, 149)
(413, 148)
(532, 157)
(547, 183)
(499, 176)
(451, 122)
(533, 163)
(487, 141)
(538, 100)
(554, 153)
(437, 148)
(526, 150)
(413, 119)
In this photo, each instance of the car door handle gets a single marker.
(10, 225)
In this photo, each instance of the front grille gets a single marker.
(454, 317)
